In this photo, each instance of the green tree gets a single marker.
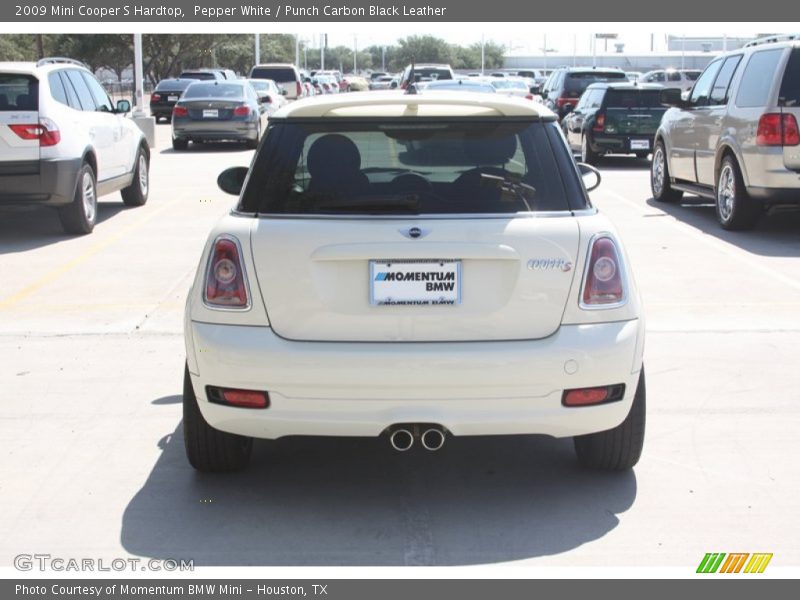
(422, 49)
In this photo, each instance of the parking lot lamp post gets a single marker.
(146, 123)
(258, 48)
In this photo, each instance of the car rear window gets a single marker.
(18, 92)
(578, 82)
(633, 99)
(173, 85)
(202, 75)
(432, 73)
(279, 74)
(692, 75)
(213, 90)
(790, 86)
(407, 167)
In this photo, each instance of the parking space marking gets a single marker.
(54, 274)
(724, 247)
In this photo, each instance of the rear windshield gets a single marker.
(204, 75)
(279, 74)
(633, 99)
(409, 168)
(790, 86)
(431, 73)
(173, 85)
(578, 82)
(213, 90)
(18, 92)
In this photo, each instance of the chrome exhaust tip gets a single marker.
(433, 439)
(401, 440)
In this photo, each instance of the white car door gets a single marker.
(125, 143)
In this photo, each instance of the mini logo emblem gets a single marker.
(414, 232)
(549, 264)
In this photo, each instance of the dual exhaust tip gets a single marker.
(432, 439)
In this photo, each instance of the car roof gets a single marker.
(624, 86)
(31, 68)
(397, 104)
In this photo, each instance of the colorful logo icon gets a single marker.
(735, 562)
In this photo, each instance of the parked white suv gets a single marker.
(414, 266)
(681, 79)
(63, 142)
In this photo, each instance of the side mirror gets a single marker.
(536, 89)
(123, 107)
(671, 97)
(232, 179)
(588, 172)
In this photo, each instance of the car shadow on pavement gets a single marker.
(27, 228)
(622, 163)
(774, 235)
(354, 501)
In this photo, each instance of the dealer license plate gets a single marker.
(415, 282)
(210, 113)
(640, 144)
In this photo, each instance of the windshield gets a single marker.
(213, 90)
(578, 82)
(399, 167)
(279, 74)
(634, 99)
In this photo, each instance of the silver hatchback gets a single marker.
(735, 138)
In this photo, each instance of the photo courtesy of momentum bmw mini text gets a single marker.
(326, 299)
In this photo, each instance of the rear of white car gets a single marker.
(415, 267)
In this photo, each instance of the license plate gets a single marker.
(415, 282)
(210, 113)
(172, 98)
(640, 144)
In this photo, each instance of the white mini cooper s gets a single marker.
(415, 267)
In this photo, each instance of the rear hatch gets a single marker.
(212, 101)
(789, 101)
(19, 122)
(633, 111)
(374, 238)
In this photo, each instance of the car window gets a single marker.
(213, 90)
(692, 75)
(656, 77)
(577, 82)
(673, 76)
(633, 99)
(203, 75)
(702, 87)
(100, 96)
(790, 86)
(18, 92)
(72, 96)
(757, 78)
(719, 93)
(279, 74)
(57, 88)
(424, 167)
(81, 89)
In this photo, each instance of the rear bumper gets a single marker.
(360, 389)
(52, 184)
(218, 130)
(621, 143)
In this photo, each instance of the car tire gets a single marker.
(736, 210)
(179, 144)
(136, 193)
(619, 448)
(588, 156)
(660, 185)
(210, 450)
(79, 216)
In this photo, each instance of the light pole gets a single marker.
(355, 54)
(383, 58)
(258, 48)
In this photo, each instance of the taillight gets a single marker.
(155, 98)
(46, 131)
(777, 129)
(599, 122)
(180, 111)
(240, 398)
(299, 89)
(241, 111)
(603, 285)
(225, 286)
(529, 96)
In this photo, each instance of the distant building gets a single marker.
(677, 43)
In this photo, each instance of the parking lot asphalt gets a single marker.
(91, 356)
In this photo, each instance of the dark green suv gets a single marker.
(614, 118)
